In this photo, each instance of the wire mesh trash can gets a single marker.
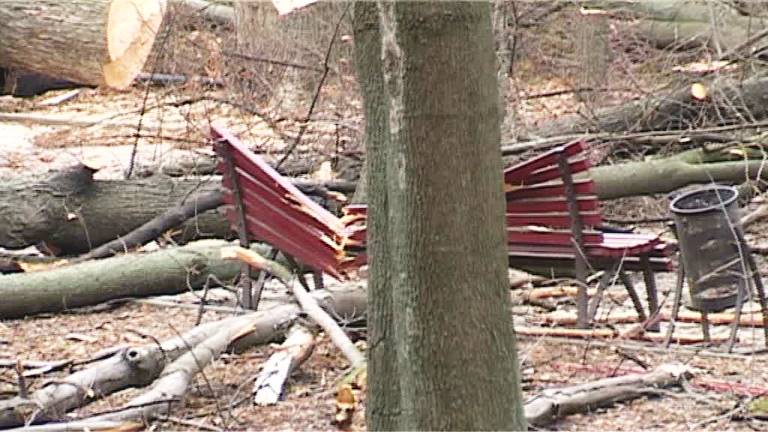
(706, 220)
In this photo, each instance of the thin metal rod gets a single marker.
(242, 233)
(577, 229)
(650, 288)
(625, 279)
(676, 302)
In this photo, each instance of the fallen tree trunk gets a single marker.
(71, 213)
(691, 24)
(167, 271)
(668, 174)
(727, 102)
(99, 42)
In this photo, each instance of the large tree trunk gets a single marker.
(71, 213)
(446, 252)
(99, 42)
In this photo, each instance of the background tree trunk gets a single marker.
(446, 253)
(90, 42)
(301, 37)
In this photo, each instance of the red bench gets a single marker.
(550, 218)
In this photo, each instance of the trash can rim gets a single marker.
(734, 194)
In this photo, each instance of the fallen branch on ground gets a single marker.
(140, 366)
(553, 404)
(308, 304)
(294, 351)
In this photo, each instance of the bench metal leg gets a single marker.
(759, 287)
(577, 228)
(242, 232)
(675, 303)
(625, 279)
(650, 287)
(602, 285)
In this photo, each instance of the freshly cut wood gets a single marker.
(99, 42)
(294, 351)
(167, 271)
(553, 404)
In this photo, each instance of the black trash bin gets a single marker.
(705, 220)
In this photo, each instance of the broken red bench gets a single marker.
(552, 220)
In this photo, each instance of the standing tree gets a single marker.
(442, 346)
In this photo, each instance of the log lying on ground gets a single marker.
(71, 213)
(167, 271)
(99, 42)
(691, 24)
(668, 174)
(553, 404)
(728, 102)
(140, 366)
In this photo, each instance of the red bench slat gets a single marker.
(249, 162)
(581, 187)
(555, 220)
(249, 184)
(521, 170)
(548, 173)
(556, 204)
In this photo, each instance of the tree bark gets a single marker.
(446, 255)
(99, 42)
(167, 271)
(728, 102)
(383, 404)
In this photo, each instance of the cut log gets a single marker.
(167, 271)
(99, 42)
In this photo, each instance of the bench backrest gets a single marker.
(274, 210)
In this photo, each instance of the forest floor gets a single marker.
(175, 128)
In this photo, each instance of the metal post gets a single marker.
(242, 233)
(577, 229)
(650, 288)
